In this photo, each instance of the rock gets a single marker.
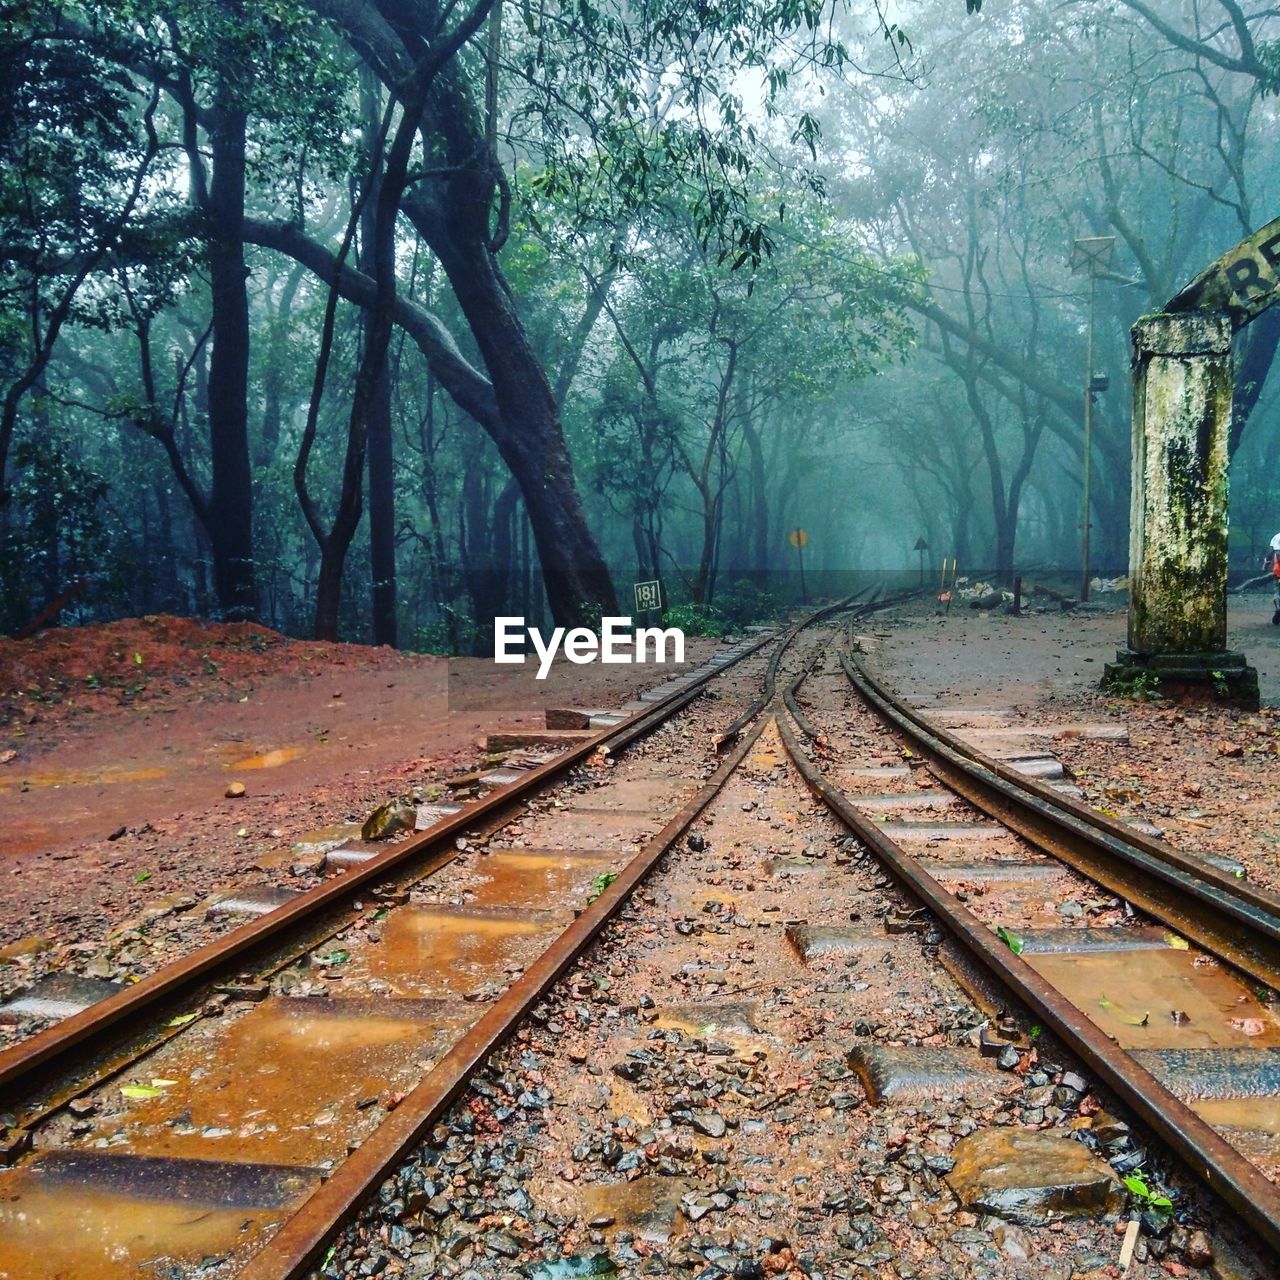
(1108, 1128)
(235, 791)
(1012, 1241)
(1029, 1177)
(1199, 1252)
(389, 819)
(710, 1123)
(1009, 1058)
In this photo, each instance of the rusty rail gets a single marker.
(1224, 915)
(299, 1244)
(1213, 1160)
(49, 1051)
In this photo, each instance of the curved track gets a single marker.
(1205, 1078)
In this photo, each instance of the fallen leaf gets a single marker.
(140, 1091)
(1177, 943)
(141, 876)
(163, 1084)
(1249, 1026)
(1010, 939)
(182, 1020)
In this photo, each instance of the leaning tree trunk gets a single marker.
(453, 214)
(231, 493)
(530, 437)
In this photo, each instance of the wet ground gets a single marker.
(1203, 775)
(750, 1077)
(113, 805)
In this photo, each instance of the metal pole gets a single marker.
(1088, 447)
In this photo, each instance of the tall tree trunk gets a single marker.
(275, 367)
(231, 494)
(759, 505)
(381, 461)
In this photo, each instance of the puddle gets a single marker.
(1259, 1115)
(101, 1233)
(70, 778)
(1155, 985)
(264, 760)
(284, 1082)
(450, 952)
(544, 880)
(323, 839)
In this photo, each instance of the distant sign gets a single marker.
(648, 596)
(1244, 282)
(798, 538)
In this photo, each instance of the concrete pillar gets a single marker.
(1182, 385)
(1182, 381)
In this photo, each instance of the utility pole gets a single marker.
(1091, 254)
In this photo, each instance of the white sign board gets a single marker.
(648, 596)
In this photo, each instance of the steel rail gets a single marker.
(731, 732)
(48, 1051)
(1241, 926)
(301, 1241)
(770, 684)
(1152, 845)
(1207, 1155)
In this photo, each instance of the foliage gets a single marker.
(695, 619)
(1145, 1194)
(59, 532)
(745, 603)
(1140, 685)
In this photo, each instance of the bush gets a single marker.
(744, 603)
(695, 619)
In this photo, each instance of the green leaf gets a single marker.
(600, 884)
(140, 1091)
(1117, 1012)
(340, 956)
(141, 876)
(182, 1020)
(1010, 940)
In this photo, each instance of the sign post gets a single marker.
(921, 546)
(799, 539)
(649, 597)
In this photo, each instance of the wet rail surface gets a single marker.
(225, 1115)
(1162, 1002)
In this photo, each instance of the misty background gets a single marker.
(374, 320)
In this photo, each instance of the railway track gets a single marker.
(228, 1113)
(1158, 978)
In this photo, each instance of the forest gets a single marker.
(374, 320)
